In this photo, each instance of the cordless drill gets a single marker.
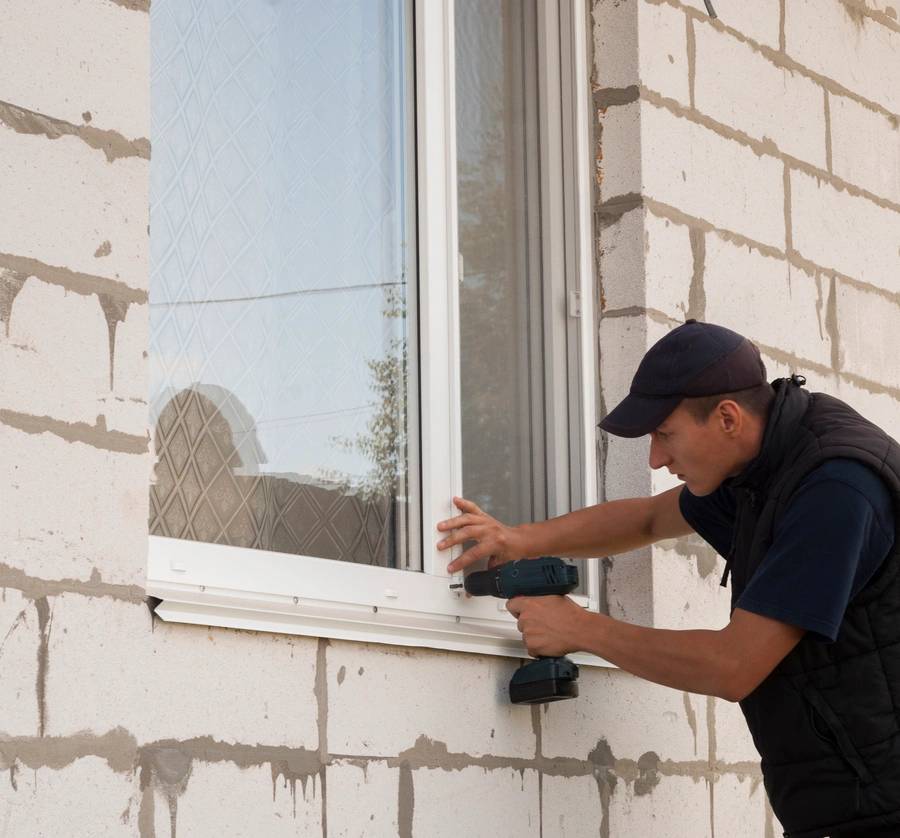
(544, 679)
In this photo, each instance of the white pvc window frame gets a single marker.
(214, 584)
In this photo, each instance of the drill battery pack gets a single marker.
(544, 680)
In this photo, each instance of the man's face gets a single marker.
(702, 455)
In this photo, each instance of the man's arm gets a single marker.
(601, 530)
(729, 663)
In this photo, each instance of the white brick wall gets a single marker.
(571, 807)
(865, 147)
(69, 496)
(677, 807)
(63, 200)
(65, 58)
(703, 174)
(225, 800)
(758, 21)
(767, 300)
(484, 723)
(856, 52)
(739, 87)
(176, 681)
(647, 261)
(845, 233)
(362, 799)
(62, 338)
(20, 630)
(740, 806)
(608, 701)
(445, 808)
(664, 68)
(870, 334)
(84, 799)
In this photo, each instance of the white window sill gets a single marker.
(213, 584)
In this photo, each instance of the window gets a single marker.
(364, 298)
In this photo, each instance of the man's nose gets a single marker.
(658, 457)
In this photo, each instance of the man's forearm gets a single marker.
(601, 530)
(696, 660)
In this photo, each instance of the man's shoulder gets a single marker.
(843, 483)
(848, 472)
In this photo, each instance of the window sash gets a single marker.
(213, 584)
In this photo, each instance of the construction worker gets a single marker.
(800, 494)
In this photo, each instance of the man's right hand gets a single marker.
(495, 541)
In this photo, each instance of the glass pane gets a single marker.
(499, 235)
(282, 287)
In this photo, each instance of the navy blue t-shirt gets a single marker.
(831, 539)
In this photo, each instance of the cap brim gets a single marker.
(638, 415)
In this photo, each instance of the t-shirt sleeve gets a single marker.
(830, 541)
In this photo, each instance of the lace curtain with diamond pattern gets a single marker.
(282, 287)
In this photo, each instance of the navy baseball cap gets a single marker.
(695, 359)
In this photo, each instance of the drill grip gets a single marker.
(546, 576)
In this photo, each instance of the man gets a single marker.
(800, 494)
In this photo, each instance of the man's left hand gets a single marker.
(551, 625)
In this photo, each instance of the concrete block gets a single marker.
(629, 587)
(627, 473)
(81, 61)
(615, 38)
(73, 510)
(734, 744)
(20, 633)
(61, 339)
(362, 799)
(622, 277)
(174, 681)
(851, 235)
(706, 175)
(225, 800)
(759, 21)
(865, 147)
(672, 723)
(623, 342)
(619, 136)
(882, 408)
(739, 807)
(736, 85)
(663, 62)
(669, 266)
(767, 300)
(507, 803)
(571, 807)
(472, 715)
(686, 589)
(674, 807)
(646, 261)
(869, 328)
(842, 44)
(85, 799)
(62, 201)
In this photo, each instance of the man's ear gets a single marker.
(730, 416)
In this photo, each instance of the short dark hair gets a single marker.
(756, 400)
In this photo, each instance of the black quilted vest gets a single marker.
(826, 721)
